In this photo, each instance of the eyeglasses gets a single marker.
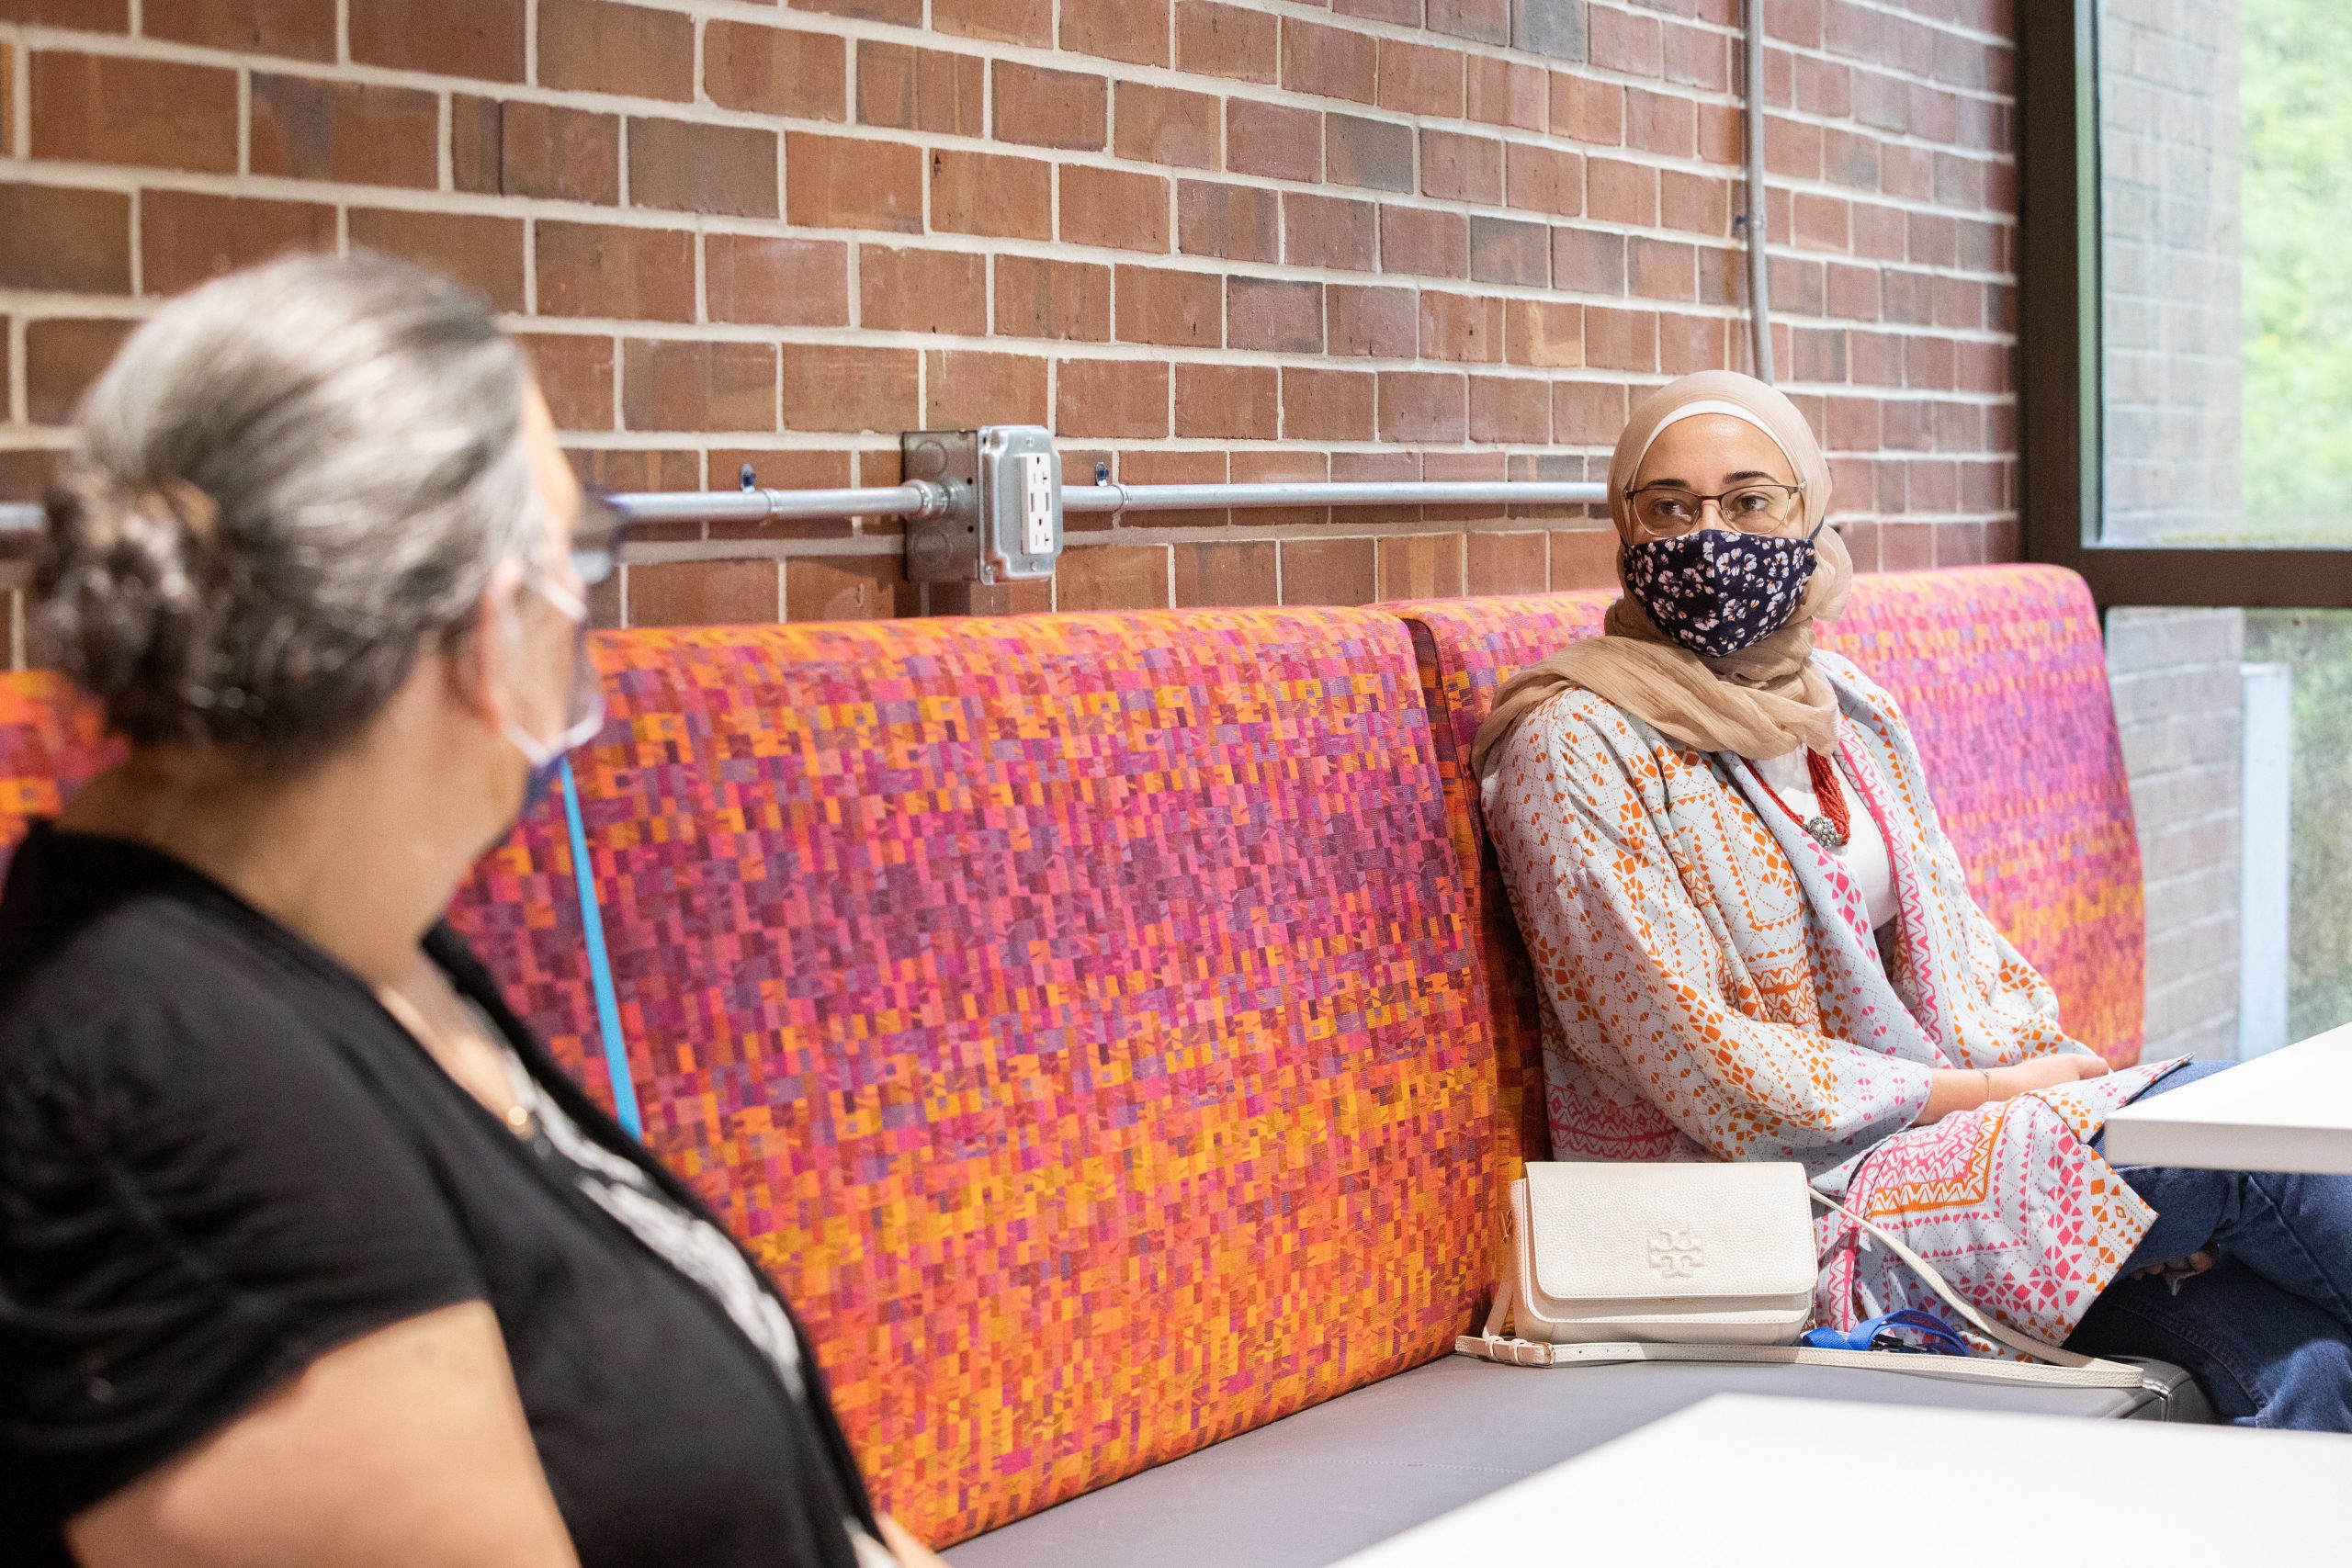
(597, 538)
(1756, 508)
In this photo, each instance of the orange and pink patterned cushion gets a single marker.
(1078, 1014)
(2001, 673)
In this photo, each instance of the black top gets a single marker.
(221, 1157)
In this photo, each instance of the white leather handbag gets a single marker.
(1693, 1261)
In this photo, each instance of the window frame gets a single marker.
(2061, 370)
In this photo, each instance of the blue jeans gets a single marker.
(2267, 1331)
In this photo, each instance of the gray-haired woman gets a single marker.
(307, 1254)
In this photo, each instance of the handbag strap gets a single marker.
(2048, 1366)
(600, 965)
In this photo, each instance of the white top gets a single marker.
(1767, 1482)
(2291, 1109)
(1865, 851)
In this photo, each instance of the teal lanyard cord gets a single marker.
(600, 967)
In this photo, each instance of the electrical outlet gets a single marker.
(1036, 503)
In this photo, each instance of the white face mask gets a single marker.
(584, 706)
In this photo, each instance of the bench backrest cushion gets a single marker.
(2001, 671)
(1077, 1014)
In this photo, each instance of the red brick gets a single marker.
(1432, 241)
(1323, 231)
(1792, 149)
(186, 239)
(1329, 405)
(1418, 78)
(1543, 179)
(1135, 31)
(1165, 125)
(842, 387)
(1510, 408)
(1584, 559)
(1699, 204)
(984, 193)
(578, 373)
(775, 281)
(598, 46)
(1039, 108)
(1455, 167)
(728, 169)
(7, 100)
(1661, 123)
(1113, 209)
(772, 71)
(1375, 154)
(1506, 563)
(1115, 398)
(519, 149)
(353, 132)
(702, 593)
(1003, 21)
(903, 13)
(1236, 221)
(1128, 577)
(1234, 572)
(1035, 298)
(158, 113)
(1686, 343)
(483, 253)
(1181, 310)
(1663, 269)
(1215, 39)
(1379, 324)
(1590, 261)
(1274, 315)
(923, 292)
(1234, 401)
(66, 241)
(847, 588)
(921, 89)
(1618, 192)
(1482, 21)
(61, 359)
(85, 16)
(1626, 43)
(1821, 223)
(1422, 566)
(1507, 92)
(1587, 110)
(837, 182)
(798, 469)
(1275, 142)
(1620, 340)
(1329, 571)
(964, 390)
(26, 474)
(1547, 334)
(1423, 405)
(596, 269)
(1506, 250)
(303, 29)
(1332, 63)
(697, 386)
(482, 39)
(1461, 327)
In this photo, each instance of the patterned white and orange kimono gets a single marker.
(1714, 989)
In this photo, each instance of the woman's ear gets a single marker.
(480, 660)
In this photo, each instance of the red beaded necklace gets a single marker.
(1834, 827)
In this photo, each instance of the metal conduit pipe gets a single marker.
(1759, 267)
(921, 497)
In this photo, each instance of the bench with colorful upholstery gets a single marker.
(1085, 1018)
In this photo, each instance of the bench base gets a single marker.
(1315, 1487)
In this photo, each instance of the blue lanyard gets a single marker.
(600, 967)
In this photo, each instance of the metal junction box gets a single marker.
(1004, 520)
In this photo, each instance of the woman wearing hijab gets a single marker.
(1754, 942)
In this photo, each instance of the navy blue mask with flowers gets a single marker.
(1719, 592)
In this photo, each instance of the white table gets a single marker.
(1761, 1482)
(2291, 1109)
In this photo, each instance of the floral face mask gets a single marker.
(1718, 593)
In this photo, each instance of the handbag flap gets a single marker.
(1625, 1230)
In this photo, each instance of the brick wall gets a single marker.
(1363, 237)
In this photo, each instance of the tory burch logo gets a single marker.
(1676, 1252)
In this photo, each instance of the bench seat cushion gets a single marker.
(1329, 1482)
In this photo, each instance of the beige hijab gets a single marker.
(1762, 702)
